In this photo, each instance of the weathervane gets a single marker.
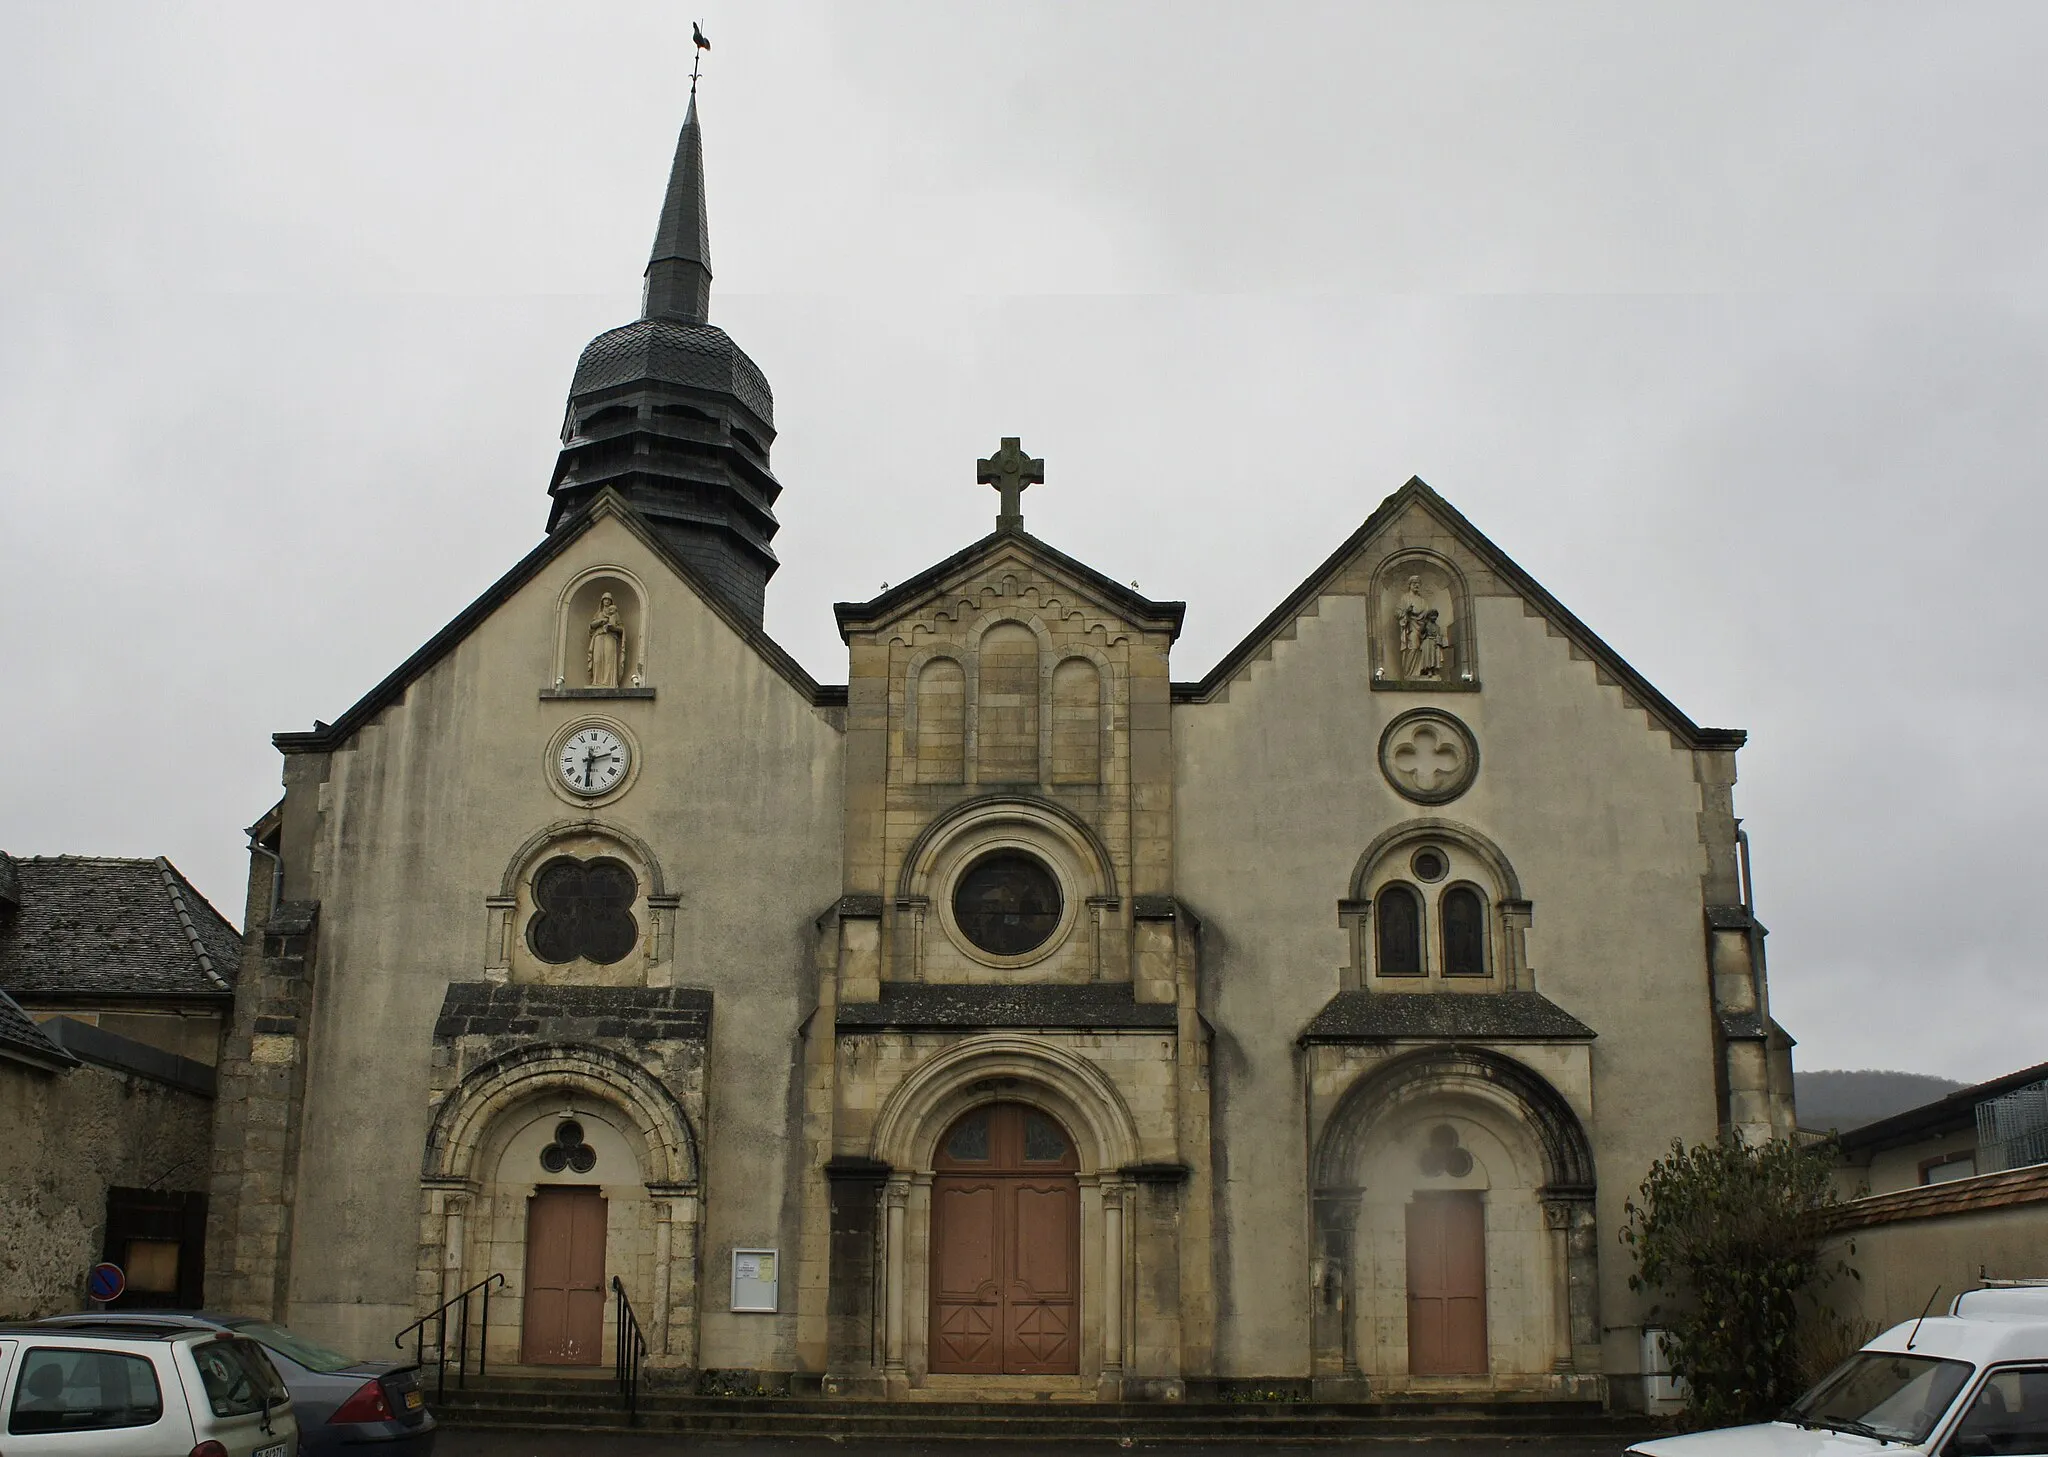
(697, 59)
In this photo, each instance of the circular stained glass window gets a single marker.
(1007, 903)
(1429, 865)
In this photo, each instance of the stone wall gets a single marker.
(70, 1137)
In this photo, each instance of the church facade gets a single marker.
(1014, 1017)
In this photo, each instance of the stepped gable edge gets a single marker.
(328, 737)
(1662, 710)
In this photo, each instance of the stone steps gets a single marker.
(583, 1405)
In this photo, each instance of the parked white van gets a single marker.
(1972, 1383)
(83, 1391)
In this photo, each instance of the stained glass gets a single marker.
(1043, 1142)
(968, 1141)
(1464, 932)
(1007, 904)
(1400, 932)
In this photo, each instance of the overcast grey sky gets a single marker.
(1726, 321)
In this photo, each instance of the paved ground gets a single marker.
(574, 1444)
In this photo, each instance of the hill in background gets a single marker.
(1846, 1100)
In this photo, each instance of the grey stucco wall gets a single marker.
(1279, 792)
(737, 797)
(69, 1137)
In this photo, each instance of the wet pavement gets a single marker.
(610, 1444)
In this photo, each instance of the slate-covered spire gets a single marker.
(672, 415)
(679, 270)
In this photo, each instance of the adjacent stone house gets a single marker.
(116, 983)
(1014, 1016)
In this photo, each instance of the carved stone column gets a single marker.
(1515, 919)
(671, 1334)
(896, 1197)
(1557, 1219)
(1113, 1196)
(1356, 919)
(1335, 1354)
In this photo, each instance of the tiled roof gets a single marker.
(1034, 1004)
(23, 1041)
(1956, 1196)
(1376, 1016)
(94, 926)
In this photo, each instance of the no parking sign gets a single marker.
(105, 1282)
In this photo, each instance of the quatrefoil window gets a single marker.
(1443, 1156)
(568, 1151)
(1428, 756)
(583, 908)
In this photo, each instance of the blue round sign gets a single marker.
(105, 1282)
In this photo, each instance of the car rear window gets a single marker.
(63, 1390)
(238, 1377)
(294, 1346)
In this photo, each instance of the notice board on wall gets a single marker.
(754, 1277)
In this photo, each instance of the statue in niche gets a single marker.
(607, 655)
(1422, 636)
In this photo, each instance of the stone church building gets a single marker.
(1013, 1017)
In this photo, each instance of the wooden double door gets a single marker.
(565, 1228)
(1006, 1246)
(1447, 1285)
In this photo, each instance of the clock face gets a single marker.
(593, 761)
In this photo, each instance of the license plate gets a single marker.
(414, 1400)
(275, 1449)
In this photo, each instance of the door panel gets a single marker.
(565, 1229)
(966, 1278)
(1006, 1245)
(1447, 1285)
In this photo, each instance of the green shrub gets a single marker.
(1731, 1234)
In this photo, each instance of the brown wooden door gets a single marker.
(1447, 1285)
(1006, 1246)
(565, 1277)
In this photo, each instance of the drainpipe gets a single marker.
(276, 870)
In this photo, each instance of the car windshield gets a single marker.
(293, 1347)
(1895, 1398)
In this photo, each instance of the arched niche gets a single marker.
(1009, 683)
(1422, 632)
(512, 953)
(935, 717)
(602, 622)
(483, 1165)
(1079, 729)
(1526, 1159)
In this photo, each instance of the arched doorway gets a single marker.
(1006, 1246)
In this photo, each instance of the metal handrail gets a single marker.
(631, 1354)
(418, 1331)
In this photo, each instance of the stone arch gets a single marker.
(655, 910)
(988, 809)
(463, 1120)
(535, 845)
(1443, 584)
(573, 610)
(1508, 885)
(1005, 1068)
(1547, 1234)
(1567, 1151)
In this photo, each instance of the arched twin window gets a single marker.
(1402, 945)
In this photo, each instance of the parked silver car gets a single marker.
(107, 1393)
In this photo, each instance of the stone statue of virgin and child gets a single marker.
(607, 655)
(1423, 635)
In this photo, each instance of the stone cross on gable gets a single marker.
(1010, 470)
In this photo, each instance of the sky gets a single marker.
(1726, 321)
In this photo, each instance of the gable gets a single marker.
(1392, 528)
(951, 593)
(324, 737)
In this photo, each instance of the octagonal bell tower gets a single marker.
(672, 414)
